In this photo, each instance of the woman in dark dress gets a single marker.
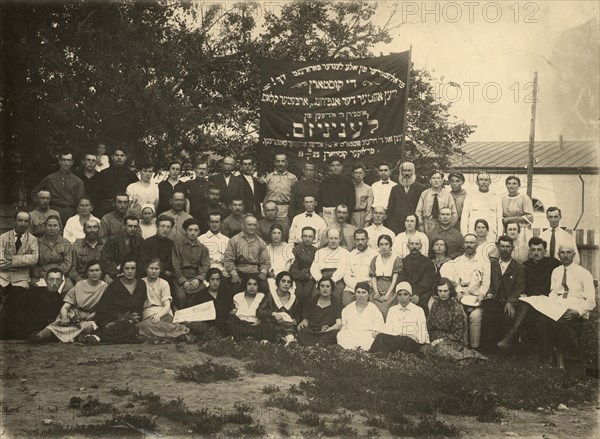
(321, 317)
(446, 318)
(280, 310)
(121, 307)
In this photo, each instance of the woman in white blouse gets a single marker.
(148, 222)
(486, 247)
(243, 321)
(74, 227)
(143, 191)
(361, 321)
(401, 242)
(384, 271)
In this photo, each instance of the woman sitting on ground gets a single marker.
(361, 320)
(384, 271)
(217, 293)
(321, 317)
(157, 318)
(77, 315)
(243, 322)
(121, 307)
(446, 319)
(281, 309)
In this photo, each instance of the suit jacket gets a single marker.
(22, 261)
(115, 252)
(509, 286)
(233, 190)
(252, 200)
(401, 204)
(420, 273)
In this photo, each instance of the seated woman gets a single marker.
(446, 319)
(361, 320)
(400, 247)
(77, 315)
(148, 222)
(321, 317)
(243, 322)
(439, 253)
(280, 310)
(405, 328)
(157, 318)
(74, 227)
(281, 255)
(55, 252)
(218, 293)
(121, 307)
(384, 271)
(486, 247)
(520, 251)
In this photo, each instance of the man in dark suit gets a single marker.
(419, 271)
(230, 185)
(507, 283)
(254, 190)
(121, 247)
(403, 198)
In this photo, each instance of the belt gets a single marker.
(64, 206)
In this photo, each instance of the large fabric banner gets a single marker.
(348, 109)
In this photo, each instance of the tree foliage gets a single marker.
(179, 80)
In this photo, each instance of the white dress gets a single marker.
(140, 194)
(358, 327)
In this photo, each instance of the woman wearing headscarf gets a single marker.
(148, 222)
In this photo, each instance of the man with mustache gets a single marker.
(403, 198)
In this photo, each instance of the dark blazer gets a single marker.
(419, 271)
(115, 252)
(509, 286)
(252, 200)
(401, 204)
(233, 190)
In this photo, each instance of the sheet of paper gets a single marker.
(546, 306)
(199, 313)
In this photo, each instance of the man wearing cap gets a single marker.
(571, 286)
(405, 327)
(457, 180)
(507, 284)
(419, 271)
(470, 274)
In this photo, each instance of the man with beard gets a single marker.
(41, 213)
(114, 180)
(253, 188)
(279, 187)
(119, 248)
(19, 253)
(419, 271)
(358, 264)
(86, 250)
(507, 283)
(403, 198)
(335, 189)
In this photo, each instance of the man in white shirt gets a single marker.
(357, 269)
(485, 205)
(376, 229)
(555, 236)
(383, 187)
(308, 218)
(215, 242)
(331, 261)
(470, 274)
(572, 286)
(405, 327)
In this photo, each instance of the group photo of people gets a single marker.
(109, 255)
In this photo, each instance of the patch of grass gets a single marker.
(427, 426)
(95, 360)
(248, 430)
(373, 432)
(207, 372)
(311, 419)
(93, 407)
(374, 421)
(286, 402)
(120, 392)
(120, 425)
(240, 415)
(271, 388)
(294, 390)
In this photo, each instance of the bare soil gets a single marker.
(39, 381)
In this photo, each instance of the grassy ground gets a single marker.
(229, 389)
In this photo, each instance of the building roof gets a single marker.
(549, 156)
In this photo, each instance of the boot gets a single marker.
(512, 334)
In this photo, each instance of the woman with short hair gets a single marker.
(361, 320)
(281, 309)
(400, 247)
(321, 316)
(384, 271)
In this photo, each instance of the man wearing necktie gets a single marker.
(19, 252)
(571, 286)
(555, 236)
(430, 203)
(121, 247)
(307, 219)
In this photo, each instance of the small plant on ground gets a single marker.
(269, 389)
(207, 372)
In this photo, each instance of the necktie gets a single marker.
(564, 284)
(435, 210)
(343, 242)
(17, 243)
(552, 243)
(309, 215)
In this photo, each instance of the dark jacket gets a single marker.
(509, 286)
(419, 271)
(252, 200)
(233, 190)
(115, 252)
(401, 204)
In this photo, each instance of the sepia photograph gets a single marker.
(299, 219)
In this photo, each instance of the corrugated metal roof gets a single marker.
(511, 155)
